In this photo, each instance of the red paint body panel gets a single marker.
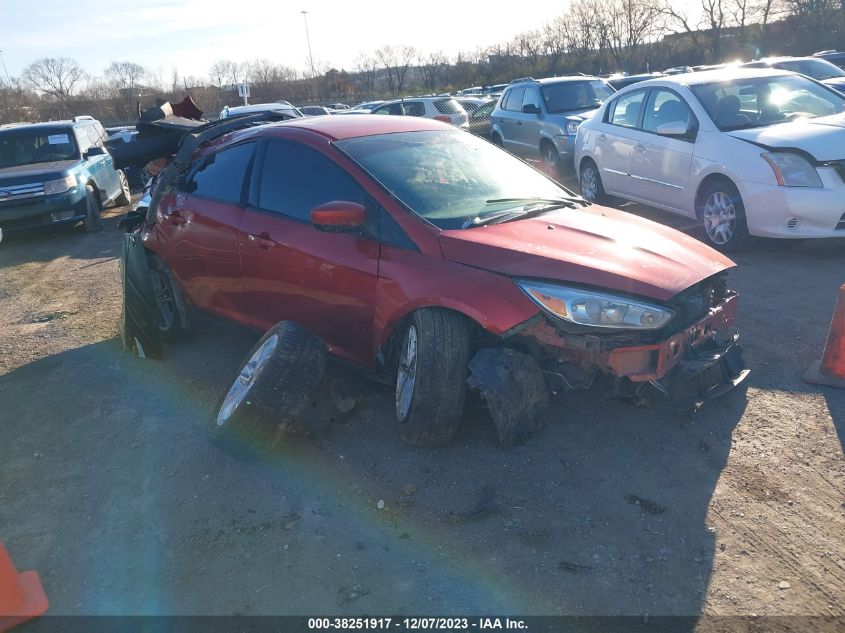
(594, 246)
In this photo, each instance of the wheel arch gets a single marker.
(708, 180)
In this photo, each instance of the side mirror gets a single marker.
(530, 108)
(674, 128)
(339, 217)
(95, 151)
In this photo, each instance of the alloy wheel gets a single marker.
(406, 374)
(589, 183)
(246, 379)
(719, 218)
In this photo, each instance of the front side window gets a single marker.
(449, 176)
(296, 178)
(664, 106)
(762, 101)
(625, 111)
(84, 140)
(28, 146)
(570, 96)
(484, 111)
(220, 176)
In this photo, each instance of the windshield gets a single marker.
(449, 177)
(762, 101)
(815, 68)
(28, 146)
(568, 96)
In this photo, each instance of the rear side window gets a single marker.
(626, 109)
(296, 178)
(447, 106)
(414, 108)
(513, 101)
(220, 176)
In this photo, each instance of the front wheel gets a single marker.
(124, 197)
(431, 377)
(551, 160)
(722, 213)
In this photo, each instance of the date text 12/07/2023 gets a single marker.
(417, 623)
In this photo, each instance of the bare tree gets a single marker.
(57, 77)
(367, 68)
(396, 61)
(124, 75)
(225, 72)
(431, 68)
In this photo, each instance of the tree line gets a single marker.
(593, 36)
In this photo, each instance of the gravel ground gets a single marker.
(109, 488)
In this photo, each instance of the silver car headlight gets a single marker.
(595, 309)
(792, 170)
(61, 185)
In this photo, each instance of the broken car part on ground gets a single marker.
(426, 256)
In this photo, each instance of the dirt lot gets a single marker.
(110, 489)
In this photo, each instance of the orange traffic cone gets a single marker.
(830, 370)
(21, 595)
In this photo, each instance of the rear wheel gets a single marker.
(173, 314)
(125, 197)
(592, 189)
(723, 215)
(431, 377)
(92, 222)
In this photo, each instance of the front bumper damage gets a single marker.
(691, 366)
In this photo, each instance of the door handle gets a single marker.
(639, 147)
(176, 219)
(602, 137)
(263, 240)
(518, 122)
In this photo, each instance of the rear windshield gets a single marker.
(568, 96)
(815, 68)
(29, 146)
(448, 106)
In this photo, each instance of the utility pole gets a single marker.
(5, 70)
(308, 39)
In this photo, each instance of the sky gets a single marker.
(191, 34)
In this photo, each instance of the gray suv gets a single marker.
(537, 118)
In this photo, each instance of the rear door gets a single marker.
(199, 228)
(292, 271)
(510, 122)
(528, 132)
(614, 145)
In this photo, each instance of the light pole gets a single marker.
(5, 70)
(308, 39)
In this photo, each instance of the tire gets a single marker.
(271, 390)
(722, 215)
(125, 197)
(497, 140)
(93, 222)
(174, 315)
(551, 160)
(431, 372)
(589, 181)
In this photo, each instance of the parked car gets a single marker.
(57, 173)
(678, 70)
(745, 152)
(818, 69)
(315, 110)
(538, 119)
(124, 133)
(367, 105)
(277, 106)
(834, 57)
(623, 81)
(470, 104)
(425, 255)
(338, 106)
(480, 120)
(446, 109)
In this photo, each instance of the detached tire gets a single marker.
(93, 222)
(173, 314)
(432, 367)
(125, 196)
(270, 392)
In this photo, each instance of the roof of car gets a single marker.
(46, 124)
(785, 58)
(257, 107)
(343, 127)
(564, 78)
(713, 76)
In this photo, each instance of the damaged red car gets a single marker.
(434, 259)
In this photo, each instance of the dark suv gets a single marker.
(537, 118)
(56, 173)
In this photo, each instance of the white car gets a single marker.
(278, 106)
(444, 109)
(746, 152)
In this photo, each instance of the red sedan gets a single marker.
(422, 252)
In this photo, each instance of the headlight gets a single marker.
(792, 170)
(571, 128)
(59, 186)
(596, 309)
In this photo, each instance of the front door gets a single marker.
(198, 225)
(292, 271)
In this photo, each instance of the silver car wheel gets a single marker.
(246, 379)
(550, 161)
(124, 186)
(406, 374)
(719, 218)
(589, 183)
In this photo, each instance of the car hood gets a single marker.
(823, 137)
(577, 116)
(36, 171)
(593, 246)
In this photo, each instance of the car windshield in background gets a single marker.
(815, 68)
(762, 101)
(568, 96)
(25, 147)
(449, 177)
